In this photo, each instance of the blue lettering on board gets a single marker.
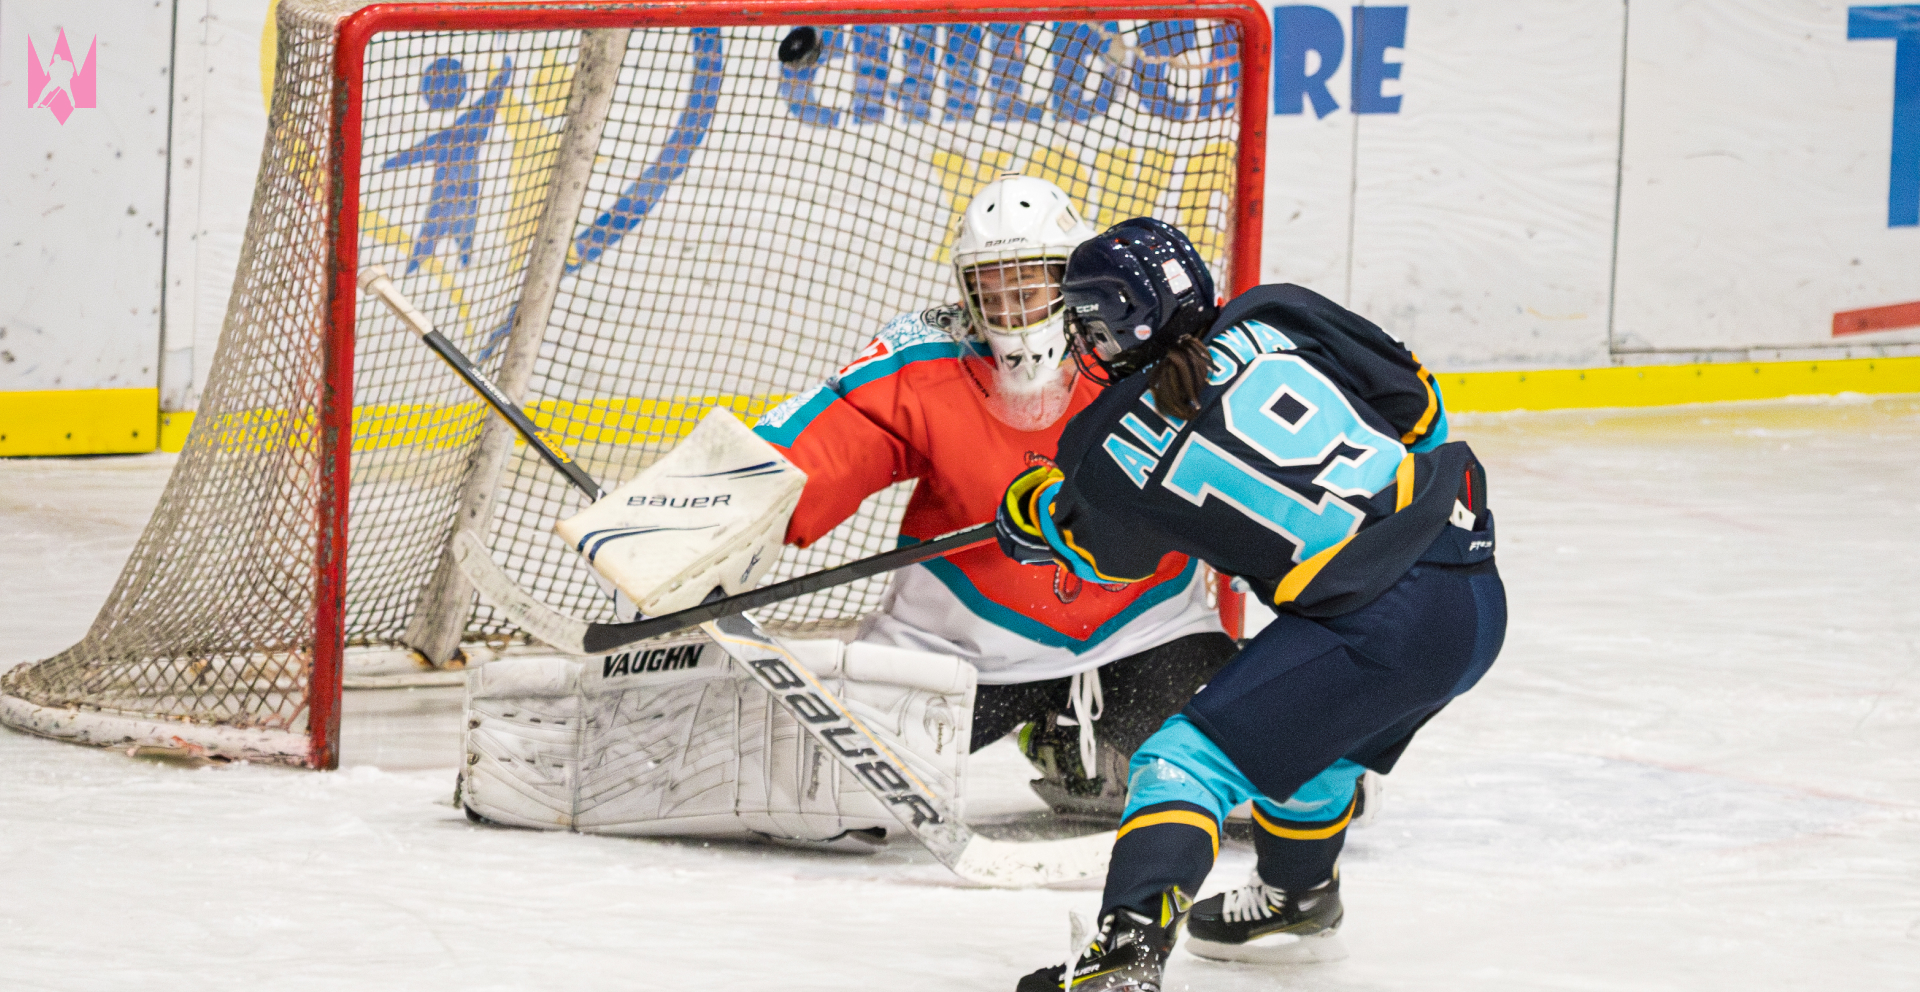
(1309, 44)
(1902, 24)
(1376, 29)
(983, 66)
(1296, 32)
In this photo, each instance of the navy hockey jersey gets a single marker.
(1318, 468)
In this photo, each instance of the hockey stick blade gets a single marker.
(542, 621)
(602, 638)
(1027, 864)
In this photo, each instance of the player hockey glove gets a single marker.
(1016, 522)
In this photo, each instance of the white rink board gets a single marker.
(1477, 220)
(83, 201)
(1755, 192)
(219, 122)
(1307, 225)
(1483, 214)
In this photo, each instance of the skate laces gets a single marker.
(1089, 704)
(1255, 900)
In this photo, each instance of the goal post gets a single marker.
(768, 184)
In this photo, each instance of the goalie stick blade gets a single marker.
(1028, 864)
(529, 614)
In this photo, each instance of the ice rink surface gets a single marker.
(1695, 766)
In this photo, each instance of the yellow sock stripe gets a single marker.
(1298, 833)
(1186, 816)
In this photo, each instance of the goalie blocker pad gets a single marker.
(710, 513)
(673, 739)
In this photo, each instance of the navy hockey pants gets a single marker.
(1305, 700)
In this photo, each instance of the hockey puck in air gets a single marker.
(801, 47)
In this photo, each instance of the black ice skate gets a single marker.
(1064, 785)
(1127, 955)
(1260, 923)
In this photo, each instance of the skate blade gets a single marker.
(1278, 948)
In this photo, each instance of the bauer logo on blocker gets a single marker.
(59, 84)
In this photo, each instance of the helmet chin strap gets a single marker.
(1193, 318)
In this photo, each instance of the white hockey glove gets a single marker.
(710, 514)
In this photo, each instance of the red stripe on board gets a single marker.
(1876, 319)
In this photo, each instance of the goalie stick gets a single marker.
(929, 816)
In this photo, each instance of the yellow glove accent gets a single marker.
(1023, 494)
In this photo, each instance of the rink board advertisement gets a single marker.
(1507, 186)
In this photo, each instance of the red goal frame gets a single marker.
(359, 28)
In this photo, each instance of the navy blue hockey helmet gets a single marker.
(1132, 291)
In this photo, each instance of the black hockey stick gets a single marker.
(929, 816)
(605, 637)
(374, 279)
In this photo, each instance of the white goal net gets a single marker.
(627, 214)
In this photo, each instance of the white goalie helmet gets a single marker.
(1009, 257)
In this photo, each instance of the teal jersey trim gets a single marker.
(962, 588)
(784, 424)
(923, 352)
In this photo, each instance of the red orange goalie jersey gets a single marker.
(914, 405)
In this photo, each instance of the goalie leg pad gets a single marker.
(522, 742)
(733, 762)
(672, 739)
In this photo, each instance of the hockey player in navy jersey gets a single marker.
(1292, 443)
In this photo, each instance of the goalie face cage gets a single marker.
(732, 229)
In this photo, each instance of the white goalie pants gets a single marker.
(674, 739)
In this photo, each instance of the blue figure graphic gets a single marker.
(642, 194)
(454, 204)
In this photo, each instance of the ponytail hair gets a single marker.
(1179, 377)
(1180, 374)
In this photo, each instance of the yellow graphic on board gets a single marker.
(269, 53)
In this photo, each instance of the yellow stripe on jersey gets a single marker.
(1296, 581)
(1404, 477)
(1425, 423)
